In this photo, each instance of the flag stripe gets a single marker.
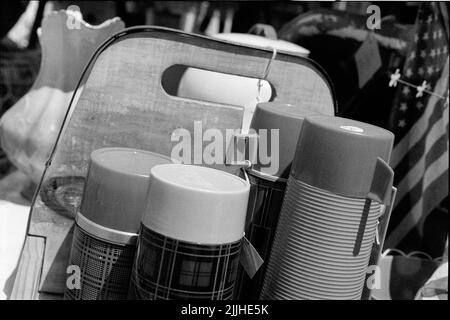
(433, 195)
(436, 150)
(435, 170)
(431, 143)
(418, 129)
(416, 216)
(416, 152)
(405, 205)
(412, 196)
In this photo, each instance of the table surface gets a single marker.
(16, 187)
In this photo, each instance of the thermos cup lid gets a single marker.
(288, 119)
(196, 204)
(340, 155)
(116, 187)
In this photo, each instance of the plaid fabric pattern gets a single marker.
(105, 268)
(169, 269)
(263, 211)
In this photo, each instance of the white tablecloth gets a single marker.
(13, 224)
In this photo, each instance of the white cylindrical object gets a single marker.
(196, 204)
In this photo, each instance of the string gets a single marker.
(395, 77)
(266, 71)
(249, 109)
(425, 90)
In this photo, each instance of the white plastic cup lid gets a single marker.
(116, 187)
(196, 204)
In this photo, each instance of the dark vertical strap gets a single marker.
(362, 227)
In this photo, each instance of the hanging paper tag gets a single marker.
(249, 110)
(368, 59)
(250, 259)
(242, 150)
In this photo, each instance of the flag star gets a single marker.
(432, 53)
(444, 50)
(403, 107)
(439, 33)
(419, 105)
(402, 123)
(430, 70)
(430, 19)
(435, 35)
(423, 53)
(409, 72)
(406, 91)
(421, 71)
(416, 38)
(412, 55)
(425, 36)
(438, 51)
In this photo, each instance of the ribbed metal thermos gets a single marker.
(339, 179)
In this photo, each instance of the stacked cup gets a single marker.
(190, 237)
(327, 225)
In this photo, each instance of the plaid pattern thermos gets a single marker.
(264, 206)
(105, 267)
(170, 269)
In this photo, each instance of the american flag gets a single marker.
(420, 124)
